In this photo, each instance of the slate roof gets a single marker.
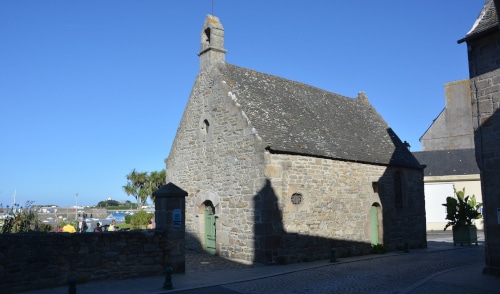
(448, 162)
(486, 21)
(296, 118)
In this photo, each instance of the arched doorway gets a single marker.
(210, 233)
(374, 224)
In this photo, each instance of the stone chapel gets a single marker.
(278, 171)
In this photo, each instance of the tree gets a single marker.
(108, 203)
(136, 182)
(155, 181)
(141, 185)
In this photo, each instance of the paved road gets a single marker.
(407, 273)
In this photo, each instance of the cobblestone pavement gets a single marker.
(202, 262)
(391, 274)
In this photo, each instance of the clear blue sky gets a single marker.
(90, 90)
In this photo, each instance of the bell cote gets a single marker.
(212, 43)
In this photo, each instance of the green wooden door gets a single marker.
(210, 240)
(374, 225)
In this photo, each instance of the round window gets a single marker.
(296, 198)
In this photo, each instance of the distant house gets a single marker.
(452, 129)
(445, 171)
(448, 154)
(483, 50)
(280, 171)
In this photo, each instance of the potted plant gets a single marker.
(461, 211)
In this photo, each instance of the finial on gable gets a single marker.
(212, 43)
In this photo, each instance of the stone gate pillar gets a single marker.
(170, 211)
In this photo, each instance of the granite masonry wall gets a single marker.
(334, 206)
(214, 159)
(43, 260)
(484, 69)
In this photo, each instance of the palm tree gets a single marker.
(155, 181)
(136, 186)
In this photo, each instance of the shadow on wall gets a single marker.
(274, 245)
(401, 192)
(397, 222)
(485, 138)
(487, 150)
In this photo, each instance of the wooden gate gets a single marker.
(374, 225)
(210, 233)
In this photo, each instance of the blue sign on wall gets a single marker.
(177, 218)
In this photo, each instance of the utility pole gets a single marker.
(76, 207)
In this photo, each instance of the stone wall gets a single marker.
(70, 213)
(484, 68)
(218, 163)
(43, 260)
(336, 197)
(55, 215)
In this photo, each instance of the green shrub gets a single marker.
(128, 218)
(45, 228)
(21, 221)
(140, 220)
(378, 249)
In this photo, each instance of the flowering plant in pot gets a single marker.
(461, 212)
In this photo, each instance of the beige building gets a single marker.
(448, 155)
(279, 171)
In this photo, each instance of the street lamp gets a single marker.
(76, 207)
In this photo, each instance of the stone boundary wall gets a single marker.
(43, 260)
